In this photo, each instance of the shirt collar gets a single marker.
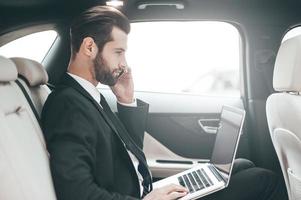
(88, 86)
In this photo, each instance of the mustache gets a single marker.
(120, 71)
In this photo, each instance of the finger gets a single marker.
(128, 69)
(176, 188)
(127, 74)
(176, 195)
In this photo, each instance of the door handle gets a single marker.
(208, 129)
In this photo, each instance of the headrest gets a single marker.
(8, 70)
(287, 70)
(31, 70)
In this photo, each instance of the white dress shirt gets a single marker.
(93, 91)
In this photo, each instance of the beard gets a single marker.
(102, 71)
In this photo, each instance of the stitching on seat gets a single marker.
(17, 111)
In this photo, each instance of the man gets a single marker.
(95, 155)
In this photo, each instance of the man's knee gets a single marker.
(258, 177)
(242, 164)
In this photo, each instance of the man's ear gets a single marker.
(89, 47)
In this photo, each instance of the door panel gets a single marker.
(175, 139)
(180, 131)
(162, 161)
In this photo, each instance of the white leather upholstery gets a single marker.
(284, 114)
(287, 69)
(24, 164)
(33, 71)
(36, 76)
(8, 71)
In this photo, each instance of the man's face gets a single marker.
(110, 63)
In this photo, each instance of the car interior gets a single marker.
(189, 58)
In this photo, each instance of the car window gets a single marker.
(185, 57)
(34, 46)
(292, 33)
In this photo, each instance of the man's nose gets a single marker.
(123, 63)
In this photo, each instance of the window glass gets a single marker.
(185, 57)
(292, 33)
(34, 46)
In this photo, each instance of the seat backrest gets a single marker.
(284, 114)
(24, 162)
(34, 78)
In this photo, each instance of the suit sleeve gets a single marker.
(134, 119)
(71, 142)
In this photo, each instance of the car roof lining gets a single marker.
(20, 32)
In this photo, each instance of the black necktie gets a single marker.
(131, 146)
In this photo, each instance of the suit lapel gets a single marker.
(122, 130)
(69, 81)
(130, 144)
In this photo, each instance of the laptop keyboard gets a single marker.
(216, 174)
(195, 181)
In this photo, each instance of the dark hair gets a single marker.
(97, 22)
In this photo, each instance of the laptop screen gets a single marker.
(227, 138)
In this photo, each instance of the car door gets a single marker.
(186, 79)
(181, 130)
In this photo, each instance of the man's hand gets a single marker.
(168, 192)
(124, 88)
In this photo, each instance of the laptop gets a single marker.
(207, 178)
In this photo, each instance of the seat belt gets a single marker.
(29, 101)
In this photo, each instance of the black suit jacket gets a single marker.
(88, 160)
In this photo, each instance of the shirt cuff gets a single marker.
(134, 104)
